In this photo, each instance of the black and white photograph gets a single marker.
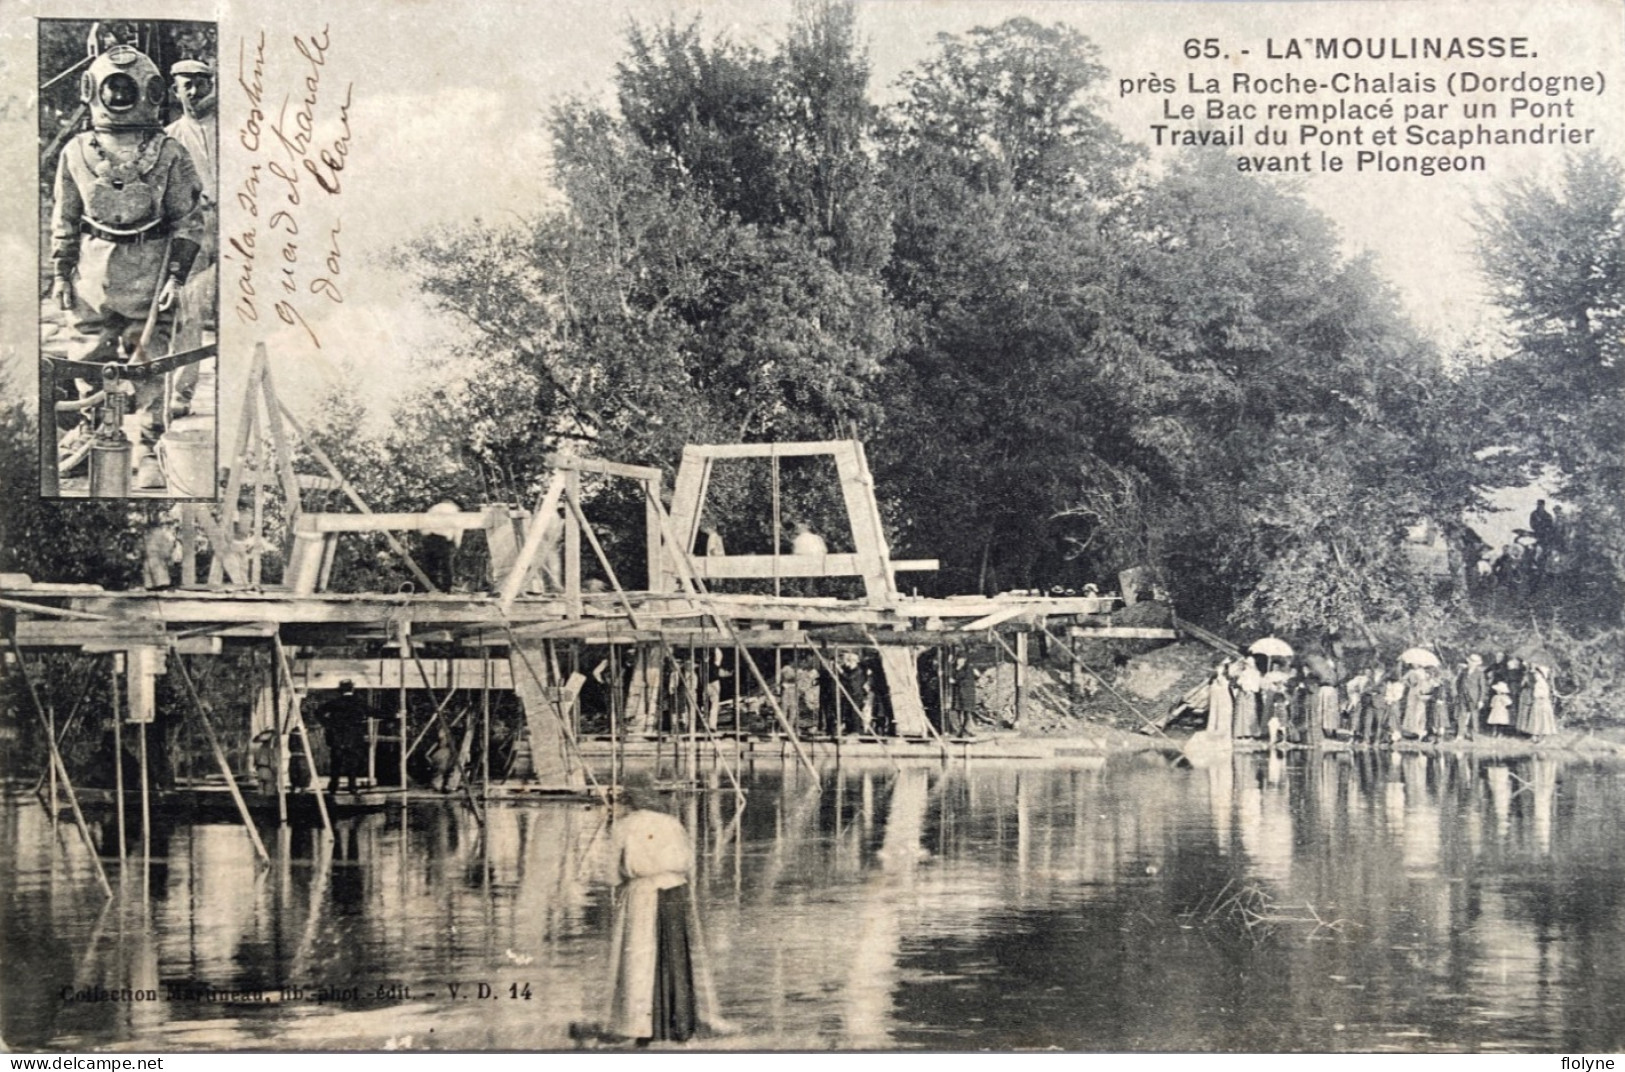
(128, 215)
(871, 526)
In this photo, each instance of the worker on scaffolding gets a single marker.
(843, 696)
(344, 720)
(961, 695)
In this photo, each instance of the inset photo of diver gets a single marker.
(128, 267)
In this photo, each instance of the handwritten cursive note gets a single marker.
(295, 175)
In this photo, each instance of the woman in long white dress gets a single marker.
(1542, 706)
(663, 986)
(1221, 705)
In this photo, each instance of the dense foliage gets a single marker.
(1555, 256)
(1062, 366)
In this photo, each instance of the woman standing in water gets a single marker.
(662, 982)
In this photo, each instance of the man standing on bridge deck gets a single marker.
(344, 718)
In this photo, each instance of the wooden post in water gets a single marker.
(118, 764)
(1021, 673)
(402, 771)
(279, 727)
(694, 716)
(485, 721)
(50, 735)
(220, 758)
(146, 807)
(297, 719)
(310, 761)
(61, 769)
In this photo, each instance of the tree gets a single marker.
(1290, 423)
(1555, 259)
(998, 167)
(713, 275)
(1011, 108)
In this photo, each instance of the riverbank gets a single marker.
(1089, 742)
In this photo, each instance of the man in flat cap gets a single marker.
(197, 130)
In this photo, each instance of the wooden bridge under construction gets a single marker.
(533, 633)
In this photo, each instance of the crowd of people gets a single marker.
(1415, 697)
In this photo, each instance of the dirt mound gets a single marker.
(1129, 692)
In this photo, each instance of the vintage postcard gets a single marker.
(860, 525)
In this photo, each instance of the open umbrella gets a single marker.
(1273, 646)
(1418, 657)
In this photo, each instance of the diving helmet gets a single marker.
(124, 90)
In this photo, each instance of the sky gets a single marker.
(448, 107)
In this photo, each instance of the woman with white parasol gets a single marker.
(1272, 691)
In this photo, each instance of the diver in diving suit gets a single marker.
(125, 222)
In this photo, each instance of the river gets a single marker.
(1334, 902)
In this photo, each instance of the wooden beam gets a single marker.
(976, 606)
(536, 535)
(293, 503)
(843, 564)
(765, 450)
(220, 537)
(687, 506)
(60, 771)
(58, 612)
(226, 559)
(37, 633)
(713, 567)
(654, 548)
(258, 611)
(202, 710)
(863, 515)
(264, 610)
(188, 545)
(914, 565)
(572, 545)
(602, 467)
(21, 584)
(988, 621)
(441, 674)
(327, 522)
(1121, 632)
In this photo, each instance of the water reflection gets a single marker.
(1359, 901)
